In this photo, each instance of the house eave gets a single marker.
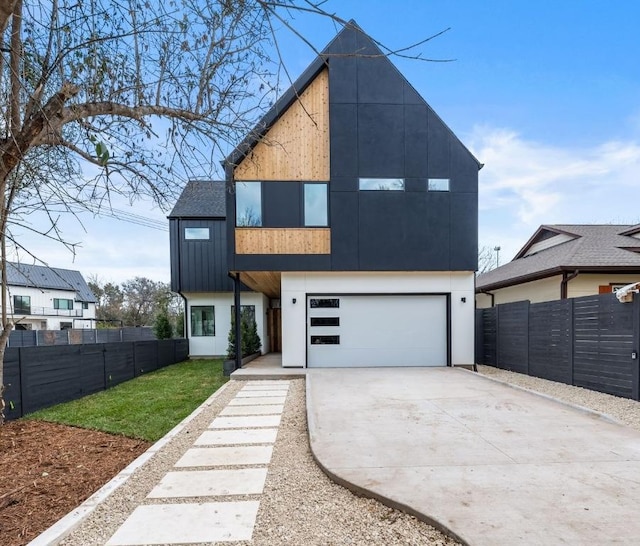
(539, 275)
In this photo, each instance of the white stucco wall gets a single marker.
(585, 284)
(222, 302)
(43, 315)
(296, 285)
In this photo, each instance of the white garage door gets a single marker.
(379, 330)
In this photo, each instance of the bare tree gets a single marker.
(487, 259)
(104, 98)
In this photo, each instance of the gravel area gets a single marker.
(621, 409)
(299, 505)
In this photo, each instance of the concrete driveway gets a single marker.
(491, 464)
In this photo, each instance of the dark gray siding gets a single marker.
(381, 128)
(199, 265)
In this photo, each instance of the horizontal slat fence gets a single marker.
(590, 342)
(39, 377)
(38, 338)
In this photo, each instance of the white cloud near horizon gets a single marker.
(526, 183)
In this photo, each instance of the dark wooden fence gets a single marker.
(39, 377)
(38, 338)
(590, 342)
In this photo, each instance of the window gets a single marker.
(196, 233)
(66, 326)
(202, 321)
(325, 340)
(22, 305)
(325, 321)
(248, 204)
(315, 205)
(318, 303)
(247, 311)
(62, 304)
(438, 184)
(85, 305)
(382, 184)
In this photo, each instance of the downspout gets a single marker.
(566, 277)
(492, 295)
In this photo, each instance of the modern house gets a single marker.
(49, 298)
(565, 261)
(353, 208)
(199, 272)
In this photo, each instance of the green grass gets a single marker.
(146, 407)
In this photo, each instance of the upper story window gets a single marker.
(248, 204)
(196, 233)
(382, 184)
(62, 303)
(22, 305)
(315, 205)
(85, 305)
(438, 184)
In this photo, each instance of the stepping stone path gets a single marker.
(194, 502)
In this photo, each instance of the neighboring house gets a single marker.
(49, 298)
(565, 261)
(199, 271)
(353, 207)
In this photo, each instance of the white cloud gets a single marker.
(526, 183)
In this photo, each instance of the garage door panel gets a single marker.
(380, 331)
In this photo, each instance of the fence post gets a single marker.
(572, 338)
(636, 347)
(497, 344)
(528, 334)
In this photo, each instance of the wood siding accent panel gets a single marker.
(283, 241)
(296, 147)
(265, 282)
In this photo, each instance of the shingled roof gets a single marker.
(201, 199)
(612, 248)
(38, 276)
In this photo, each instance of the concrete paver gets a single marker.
(252, 410)
(492, 464)
(259, 386)
(210, 483)
(240, 437)
(246, 421)
(260, 393)
(188, 523)
(258, 401)
(225, 456)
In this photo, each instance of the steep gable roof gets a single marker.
(38, 276)
(351, 42)
(201, 199)
(581, 247)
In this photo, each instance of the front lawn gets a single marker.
(146, 407)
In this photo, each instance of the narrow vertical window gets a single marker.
(202, 321)
(315, 205)
(248, 204)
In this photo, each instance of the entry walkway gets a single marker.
(491, 464)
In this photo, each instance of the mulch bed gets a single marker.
(46, 470)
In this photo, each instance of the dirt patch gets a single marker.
(46, 470)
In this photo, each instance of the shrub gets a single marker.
(162, 326)
(251, 342)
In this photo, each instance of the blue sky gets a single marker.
(546, 94)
